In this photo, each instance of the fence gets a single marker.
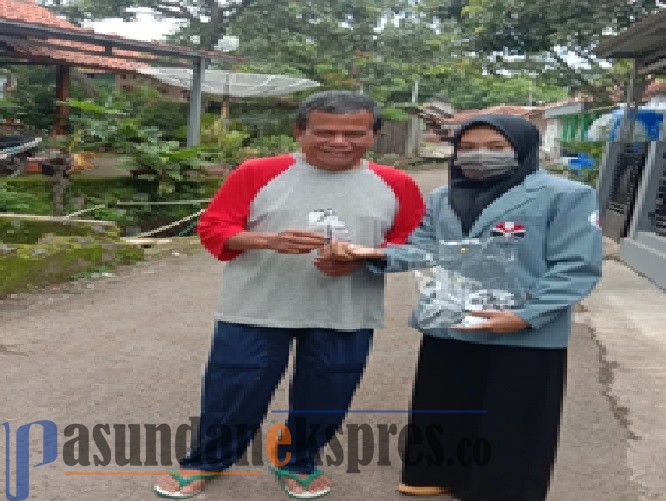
(399, 138)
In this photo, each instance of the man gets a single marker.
(266, 220)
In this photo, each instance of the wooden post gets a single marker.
(63, 85)
(224, 115)
(224, 111)
(60, 165)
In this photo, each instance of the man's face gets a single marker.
(333, 141)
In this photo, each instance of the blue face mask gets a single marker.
(486, 164)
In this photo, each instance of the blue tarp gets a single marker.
(648, 124)
(581, 162)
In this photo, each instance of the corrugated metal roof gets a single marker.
(220, 82)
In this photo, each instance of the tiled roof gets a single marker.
(503, 109)
(656, 88)
(568, 101)
(28, 11)
(58, 56)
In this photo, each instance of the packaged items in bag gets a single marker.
(471, 275)
(439, 301)
(327, 222)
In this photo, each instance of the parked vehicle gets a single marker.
(15, 151)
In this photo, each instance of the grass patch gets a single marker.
(24, 267)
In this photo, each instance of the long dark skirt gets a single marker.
(507, 451)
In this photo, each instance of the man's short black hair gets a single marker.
(338, 102)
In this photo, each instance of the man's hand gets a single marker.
(498, 322)
(296, 242)
(334, 268)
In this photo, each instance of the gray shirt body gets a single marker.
(265, 288)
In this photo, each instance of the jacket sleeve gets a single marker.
(418, 252)
(573, 257)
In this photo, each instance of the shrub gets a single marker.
(268, 146)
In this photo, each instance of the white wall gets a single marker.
(550, 142)
(3, 83)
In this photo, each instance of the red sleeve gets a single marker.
(411, 206)
(227, 213)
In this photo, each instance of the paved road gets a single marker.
(130, 349)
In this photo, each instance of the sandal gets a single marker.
(183, 480)
(282, 475)
(413, 490)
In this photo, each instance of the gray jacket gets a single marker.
(558, 259)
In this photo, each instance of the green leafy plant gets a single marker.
(395, 114)
(587, 176)
(595, 149)
(225, 146)
(15, 201)
(110, 107)
(106, 127)
(167, 116)
(273, 145)
(8, 108)
(167, 164)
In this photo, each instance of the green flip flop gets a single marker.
(183, 480)
(282, 475)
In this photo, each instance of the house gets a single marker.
(4, 85)
(632, 178)
(568, 121)
(128, 81)
(31, 34)
(529, 113)
(442, 122)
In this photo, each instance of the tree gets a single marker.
(327, 41)
(204, 21)
(539, 35)
(72, 10)
(467, 49)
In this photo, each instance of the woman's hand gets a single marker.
(339, 258)
(498, 322)
(339, 250)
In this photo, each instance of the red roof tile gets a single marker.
(28, 11)
(569, 100)
(503, 109)
(656, 89)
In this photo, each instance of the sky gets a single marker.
(145, 28)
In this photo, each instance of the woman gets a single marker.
(508, 372)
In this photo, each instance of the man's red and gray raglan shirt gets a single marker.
(378, 204)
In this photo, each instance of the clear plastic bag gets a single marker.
(439, 298)
(327, 222)
(489, 275)
(471, 275)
